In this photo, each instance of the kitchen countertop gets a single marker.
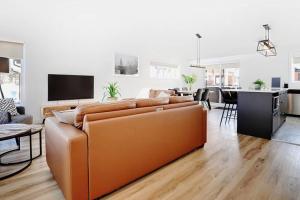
(258, 91)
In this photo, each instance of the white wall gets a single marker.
(199, 72)
(254, 66)
(83, 58)
(66, 38)
(81, 37)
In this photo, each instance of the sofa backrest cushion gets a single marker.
(180, 99)
(179, 105)
(155, 93)
(82, 110)
(118, 113)
(152, 102)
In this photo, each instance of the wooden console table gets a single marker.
(46, 110)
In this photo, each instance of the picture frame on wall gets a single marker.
(126, 65)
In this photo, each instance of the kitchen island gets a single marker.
(261, 112)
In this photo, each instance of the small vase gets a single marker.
(257, 86)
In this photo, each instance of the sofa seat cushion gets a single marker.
(4, 117)
(82, 110)
(152, 102)
(181, 99)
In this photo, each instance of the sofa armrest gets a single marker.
(66, 155)
(21, 110)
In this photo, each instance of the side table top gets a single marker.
(8, 131)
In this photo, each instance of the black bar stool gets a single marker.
(230, 100)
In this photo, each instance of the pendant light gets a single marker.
(198, 36)
(266, 47)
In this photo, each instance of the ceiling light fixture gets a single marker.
(198, 52)
(266, 47)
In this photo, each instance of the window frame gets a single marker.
(17, 99)
(292, 68)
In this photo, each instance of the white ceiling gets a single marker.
(228, 27)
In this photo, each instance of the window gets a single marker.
(213, 75)
(10, 82)
(231, 77)
(223, 75)
(296, 69)
(164, 71)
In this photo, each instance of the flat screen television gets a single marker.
(67, 87)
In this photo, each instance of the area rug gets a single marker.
(289, 132)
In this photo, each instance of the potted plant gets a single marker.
(189, 80)
(259, 84)
(112, 92)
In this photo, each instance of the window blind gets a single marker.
(11, 50)
(296, 60)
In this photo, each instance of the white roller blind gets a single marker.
(11, 50)
(224, 65)
(154, 63)
(231, 65)
(296, 60)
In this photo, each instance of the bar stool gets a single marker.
(229, 99)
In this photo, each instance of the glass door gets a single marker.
(221, 76)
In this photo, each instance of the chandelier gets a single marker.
(266, 47)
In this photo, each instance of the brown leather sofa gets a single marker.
(118, 143)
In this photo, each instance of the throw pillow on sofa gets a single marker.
(163, 94)
(66, 116)
(181, 99)
(8, 105)
(154, 93)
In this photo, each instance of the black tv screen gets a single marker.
(66, 87)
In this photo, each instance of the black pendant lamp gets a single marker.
(198, 36)
(266, 47)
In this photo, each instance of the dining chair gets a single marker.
(197, 95)
(176, 91)
(205, 98)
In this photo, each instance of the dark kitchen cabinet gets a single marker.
(261, 113)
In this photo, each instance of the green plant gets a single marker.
(189, 80)
(112, 90)
(260, 83)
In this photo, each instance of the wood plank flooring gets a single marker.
(230, 166)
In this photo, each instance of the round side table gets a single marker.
(11, 131)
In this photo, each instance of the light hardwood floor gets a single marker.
(230, 166)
